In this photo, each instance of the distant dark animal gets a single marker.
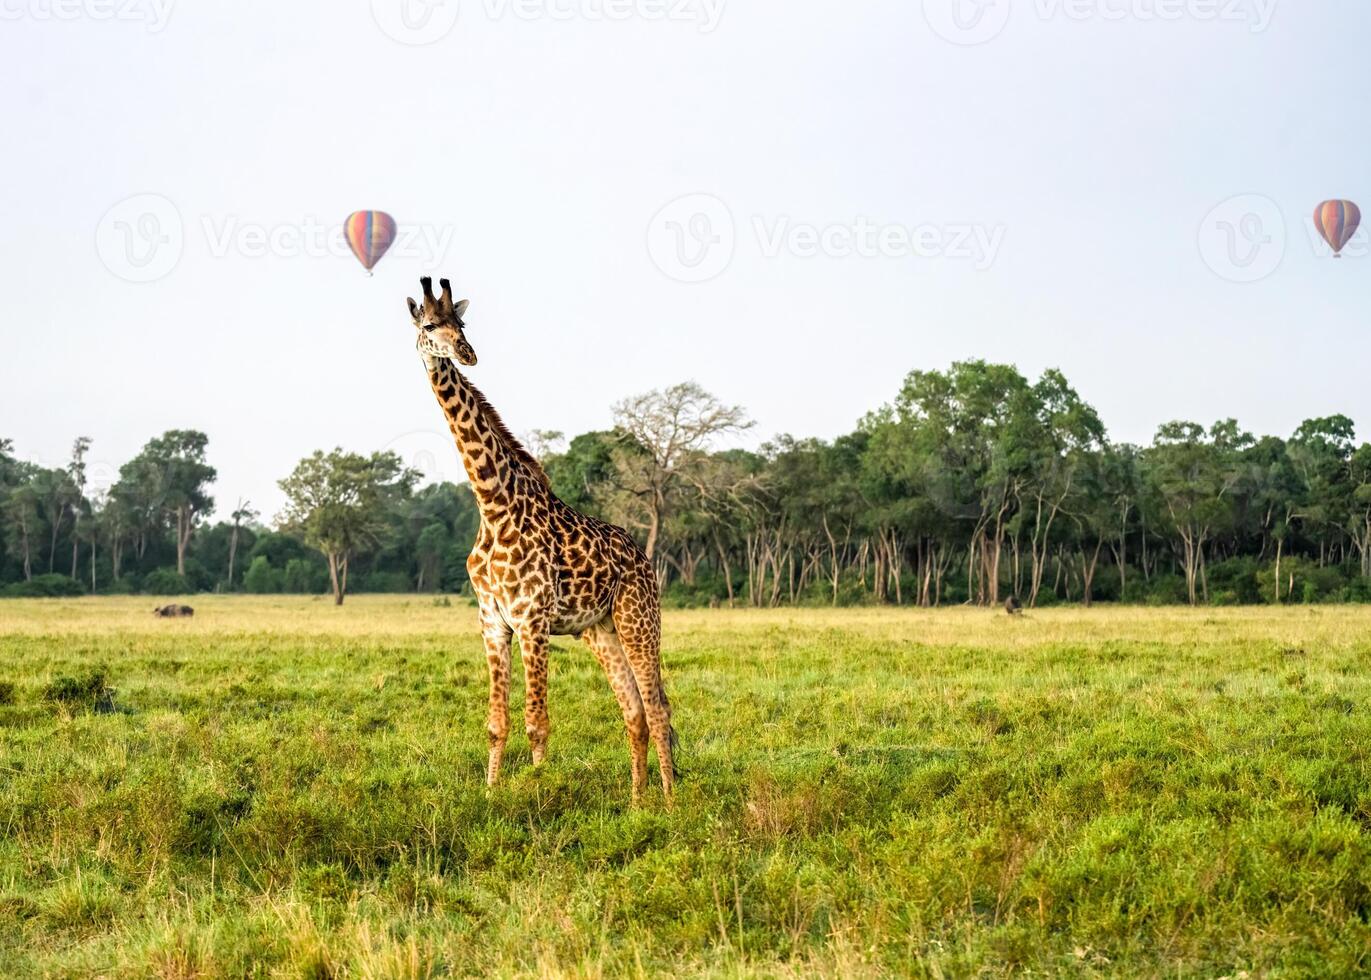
(173, 611)
(1012, 606)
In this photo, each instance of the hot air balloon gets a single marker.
(1337, 222)
(369, 234)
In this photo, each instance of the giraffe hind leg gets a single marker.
(638, 621)
(607, 649)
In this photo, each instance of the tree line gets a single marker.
(972, 485)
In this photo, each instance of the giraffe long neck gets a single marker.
(494, 462)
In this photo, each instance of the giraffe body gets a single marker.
(540, 568)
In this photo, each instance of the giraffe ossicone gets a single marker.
(539, 568)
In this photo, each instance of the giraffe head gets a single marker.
(439, 323)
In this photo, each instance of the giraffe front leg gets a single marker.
(497, 640)
(533, 643)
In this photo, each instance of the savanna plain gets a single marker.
(278, 787)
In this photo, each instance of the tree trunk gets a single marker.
(183, 525)
(52, 547)
(233, 554)
(723, 565)
(28, 557)
(339, 584)
(1280, 546)
(1088, 571)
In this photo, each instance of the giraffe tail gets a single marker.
(673, 740)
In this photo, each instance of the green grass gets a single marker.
(278, 787)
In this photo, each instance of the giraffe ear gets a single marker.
(461, 307)
(413, 308)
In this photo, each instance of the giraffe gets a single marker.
(540, 568)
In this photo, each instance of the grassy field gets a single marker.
(279, 787)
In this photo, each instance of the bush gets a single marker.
(198, 576)
(166, 581)
(88, 693)
(261, 578)
(278, 549)
(52, 586)
(1234, 582)
(6, 692)
(127, 585)
(385, 582)
(304, 577)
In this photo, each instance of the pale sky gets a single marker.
(866, 194)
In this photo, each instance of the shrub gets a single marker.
(385, 582)
(166, 581)
(50, 586)
(261, 577)
(198, 576)
(88, 693)
(303, 576)
(124, 586)
(1165, 590)
(6, 692)
(1234, 582)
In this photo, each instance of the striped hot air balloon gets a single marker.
(369, 234)
(1337, 222)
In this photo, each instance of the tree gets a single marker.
(670, 425)
(1194, 474)
(168, 482)
(56, 495)
(431, 549)
(242, 514)
(76, 472)
(23, 523)
(338, 501)
(582, 474)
